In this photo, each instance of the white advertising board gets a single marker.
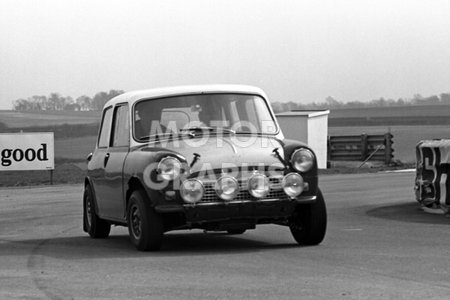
(27, 151)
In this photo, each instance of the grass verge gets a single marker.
(66, 171)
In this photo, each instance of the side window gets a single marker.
(121, 125)
(103, 139)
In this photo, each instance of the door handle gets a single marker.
(107, 155)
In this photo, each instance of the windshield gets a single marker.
(232, 113)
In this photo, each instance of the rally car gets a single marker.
(209, 157)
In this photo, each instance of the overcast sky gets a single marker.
(295, 50)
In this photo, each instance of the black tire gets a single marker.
(145, 226)
(97, 228)
(236, 231)
(309, 223)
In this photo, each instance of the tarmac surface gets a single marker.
(379, 244)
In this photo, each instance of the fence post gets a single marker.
(329, 148)
(388, 148)
(364, 147)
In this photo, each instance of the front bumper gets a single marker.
(242, 209)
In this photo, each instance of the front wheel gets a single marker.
(92, 224)
(309, 222)
(145, 226)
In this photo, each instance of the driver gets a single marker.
(147, 115)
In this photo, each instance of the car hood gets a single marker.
(220, 153)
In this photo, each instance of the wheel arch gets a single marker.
(88, 182)
(134, 184)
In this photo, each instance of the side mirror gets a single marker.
(89, 157)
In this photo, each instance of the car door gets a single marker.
(96, 170)
(113, 187)
(106, 165)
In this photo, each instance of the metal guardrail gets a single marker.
(361, 148)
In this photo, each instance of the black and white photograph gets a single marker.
(212, 149)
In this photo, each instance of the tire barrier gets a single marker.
(432, 183)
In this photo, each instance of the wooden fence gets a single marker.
(361, 148)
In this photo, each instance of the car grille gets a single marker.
(276, 191)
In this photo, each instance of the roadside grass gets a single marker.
(62, 131)
(407, 111)
(75, 148)
(66, 171)
(16, 119)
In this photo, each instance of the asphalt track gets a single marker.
(379, 245)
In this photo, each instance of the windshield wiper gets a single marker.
(191, 131)
(196, 129)
(157, 136)
(228, 130)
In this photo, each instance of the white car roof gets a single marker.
(131, 97)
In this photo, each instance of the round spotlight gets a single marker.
(293, 184)
(192, 190)
(227, 188)
(302, 160)
(169, 168)
(258, 185)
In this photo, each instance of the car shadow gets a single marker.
(174, 244)
(407, 212)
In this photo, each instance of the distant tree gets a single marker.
(72, 107)
(400, 102)
(292, 105)
(84, 102)
(57, 102)
(21, 105)
(355, 104)
(42, 100)
(99, 100)
(68, 103)
(114, 93)
(390, 102)
(332, 103)
(433, 100)
(378, 102)
(418, 99)
(53, 101)
(445, 98)
(277, 107)
(35, 102)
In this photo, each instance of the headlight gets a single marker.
(293, 184)
(302, 160)
(169, 168)
(258, 186)
(192, 190)
(227, 188)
